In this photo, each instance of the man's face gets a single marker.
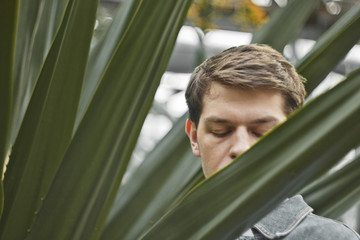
(231, 121)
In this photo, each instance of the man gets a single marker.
(234, 98)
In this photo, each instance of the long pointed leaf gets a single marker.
(330, 48)
(103, 50)
(278, 166)
(32, 50)
(89, 177)
(8, 26)
(26, 21)
(48, 123)
(333, 195)
(285, 24)
(169, 166)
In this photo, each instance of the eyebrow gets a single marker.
(261, 120)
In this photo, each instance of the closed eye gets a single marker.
(256, 134)
(220, 134)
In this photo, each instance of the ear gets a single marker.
(191, 131)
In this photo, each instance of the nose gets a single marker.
(240, 142)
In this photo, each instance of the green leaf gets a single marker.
(103, 50)
(330, 48)
(285, 24)
(48, 123)
(332, 195)
(90, 174)
(278, 166)
(38, 23)
(8, 26)
(26, 21)
(2, 196)
(142, 201)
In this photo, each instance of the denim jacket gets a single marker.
(293, 220)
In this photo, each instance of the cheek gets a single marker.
(213, 158)
(213, 151)
(209, 144)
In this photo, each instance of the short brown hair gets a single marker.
(248, 66)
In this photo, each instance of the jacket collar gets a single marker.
(284, 218)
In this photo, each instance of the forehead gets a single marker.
(239, 102)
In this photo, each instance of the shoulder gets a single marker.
(293, 220)
(317, 227)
